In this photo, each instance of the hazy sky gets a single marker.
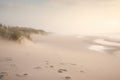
(63, 16)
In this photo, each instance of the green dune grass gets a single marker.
(18, 33)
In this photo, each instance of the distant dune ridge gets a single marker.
(18, 33)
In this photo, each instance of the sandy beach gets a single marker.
(56, 57)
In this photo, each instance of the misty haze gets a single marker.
(59, 40)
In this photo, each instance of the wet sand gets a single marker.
(60, 58)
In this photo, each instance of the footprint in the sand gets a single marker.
(66, 78)
(82, 71)
(2, 75)
(37, 67)
(51, 66)
(22, 75)
(62, 70)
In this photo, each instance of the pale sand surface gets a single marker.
(59, 58)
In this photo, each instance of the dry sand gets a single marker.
(59, 58)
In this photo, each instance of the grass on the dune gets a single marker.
(18, 33)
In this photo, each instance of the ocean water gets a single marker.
(103, 43)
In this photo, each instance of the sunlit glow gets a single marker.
(63, 16)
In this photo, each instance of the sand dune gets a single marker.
(59, 58)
